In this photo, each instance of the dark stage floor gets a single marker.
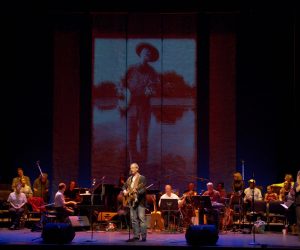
(25, 239)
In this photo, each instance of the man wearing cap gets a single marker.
(140, 80)
(249, 191)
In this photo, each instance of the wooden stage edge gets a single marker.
(25, 239)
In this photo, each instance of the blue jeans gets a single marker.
(138, 220)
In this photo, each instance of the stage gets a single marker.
(25, 239)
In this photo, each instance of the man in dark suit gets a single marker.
(134, 191)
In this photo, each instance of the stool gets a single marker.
(51, 216)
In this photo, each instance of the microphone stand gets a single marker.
(102, 190)
(129, 226)
(130, 221)
(243, 169)
(253, 242)
(91, 209)
(241, 201)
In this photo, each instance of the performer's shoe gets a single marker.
(133, 239)
(13, 227)
(144, 239)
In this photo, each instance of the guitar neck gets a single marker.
(154, 206)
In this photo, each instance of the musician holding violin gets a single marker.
(134, 191)
(187, 209)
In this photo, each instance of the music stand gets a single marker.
(92, 194)
(169, 205)
(201, 202)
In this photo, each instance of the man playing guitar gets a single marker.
(134, 191)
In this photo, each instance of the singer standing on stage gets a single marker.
(134, 191)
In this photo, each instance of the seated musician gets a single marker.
(284, 191)
(220, 188)
(249, 192)
(17, 201)
(169, 194)
(20, 177)
(270, 195)
(214, 195)
(187, 207)
(287, 178)
(72, 192)
(252, 189)
(61, 206)
(217, 206)
(26, 189)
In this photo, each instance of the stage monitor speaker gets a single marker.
(79, 221)
(201, 235)
(58, 233)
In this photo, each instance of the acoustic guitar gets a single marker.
(132, 198)
(156, 220)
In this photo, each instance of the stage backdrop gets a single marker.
(144, 98)
(156, 89)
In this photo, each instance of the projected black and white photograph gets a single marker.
(144, 97)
